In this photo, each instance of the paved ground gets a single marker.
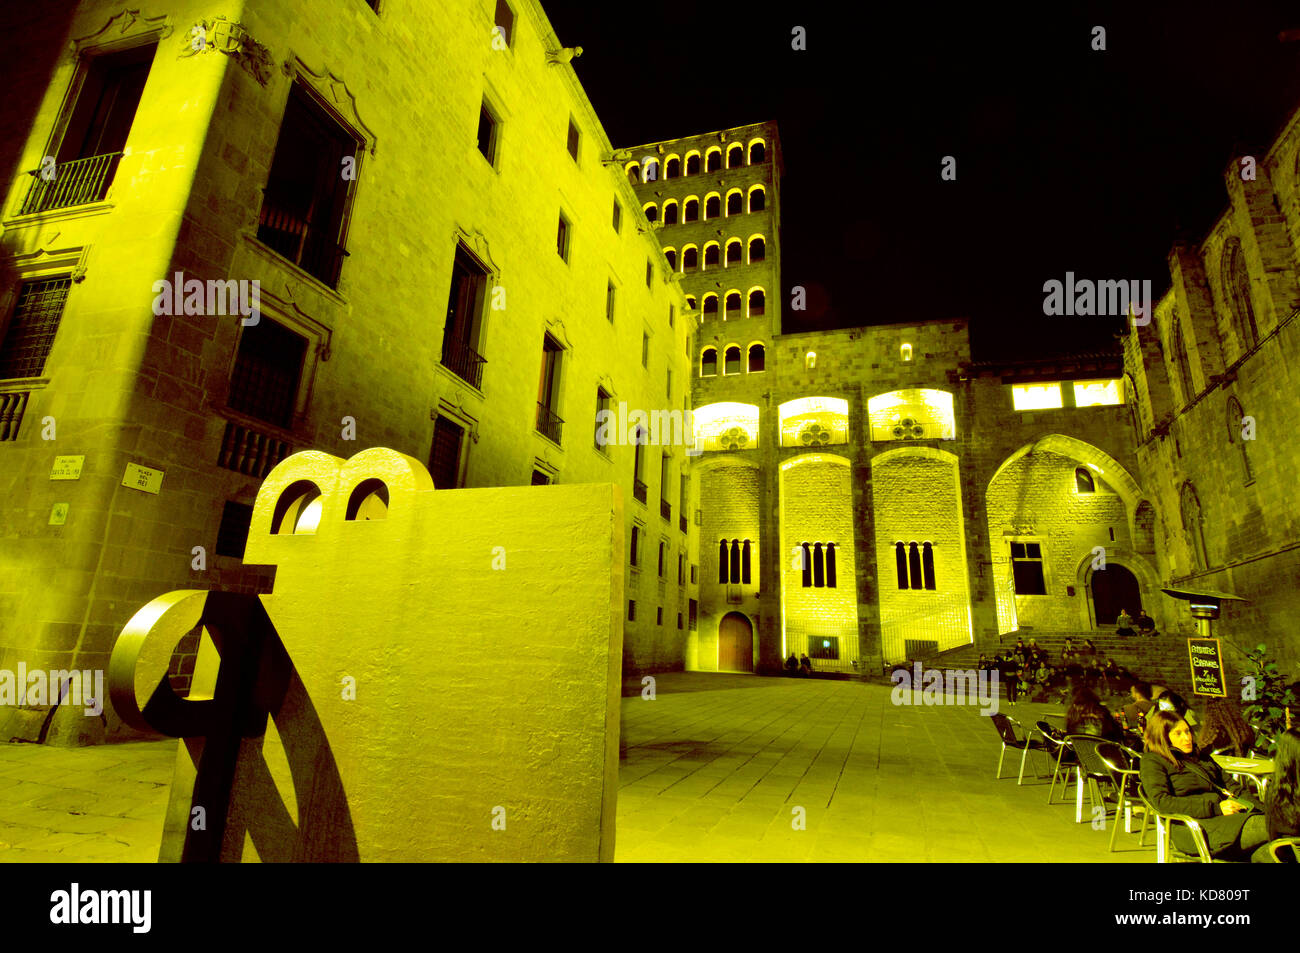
(716, 766)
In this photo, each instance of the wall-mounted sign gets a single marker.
(59, 514)
(67, 468)
(142, 478)
(1207, 667)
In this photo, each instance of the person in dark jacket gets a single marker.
(1179, 779)
(1282, 802)
(1087, 716)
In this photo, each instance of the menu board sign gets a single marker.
(1207, 667)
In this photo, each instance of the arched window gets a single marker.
(807, 566)
(735, 560)
(634, 173)
(709, 362)
(691, 302)
(671, 255)
(744, 562)
(819, 567)
(1083, 480)
(712, 206)
(732, 361)
(734, 250)
(1237, 435)
(756, 152)
(927, 564)
(714, 162)
(652, 212)
(810, 360)
(693, 164)
(722, 561)
(690, 258)
(691, 210)
(735, 203)
(710, 305)
(735, 155)
(914, 565)
(757, 250)
(672, 168)
(900, 564)
(711, 254)
(1182, 363)
(670, 213)
(757, 357)
(756, 199)
(1191, 507)
(830, 565)
(757, 300)
(733, 305)
(1236, 291)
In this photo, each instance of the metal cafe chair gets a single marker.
(1166, 849)
(1278, 848)
(1013, 735)
(1065, 757)
(1091, 771)
(1122, 762)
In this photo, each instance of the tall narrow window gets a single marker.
(1182, 362)
(305, 201)
(900, 563)
(610, 296)
(732, 364)
(681, 572)
(1236, 289)
(30, 333)
(755, 153)
(757, 200)
(735, 203)
(735, 560)
(574, 138)
(714, 161)
(927, 564)
(548, 393)
(807, 566)
(603, 414)
(444, 456)
(744, 562)
(92, 145)
(618, 217)
(693, 164)
(638, 458)
(268, 367)
(1083, 480)
(712, 206)
(914, 565)
(649, 272)
(1027, 569)
(562, 238)
(722, 561)
(691, 210)
(709, 362)
(645, 349)
(1193, 526)
(463, 332)
(819, 567)
(1237, 431)
(635, 556)
(756, 358)
(487, 134)
(662, 547)
(735, 155)
(830, 566)
(505, 20)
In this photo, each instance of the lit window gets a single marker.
(810, 359)
(1036, 396)
(906, 352)
(1097, 393)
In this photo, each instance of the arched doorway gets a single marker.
(1114, 588)
(735, 644)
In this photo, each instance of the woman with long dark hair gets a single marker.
(1179, 778)
(1087, 716)
(1282, 803)
(1223, 727)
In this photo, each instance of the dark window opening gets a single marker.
(914, 565)
(505, 19)
(927, 564)
(463, 332)
(487, 134)
(444, 455)
(756, 358)
(268, 367)
(1027, 569)
(714, 162)
(32, 328)
(900, 564)
(732, 365)
(735, 203)
(756, 200)
(1083, 480)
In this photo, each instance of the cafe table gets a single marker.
(1257, 769)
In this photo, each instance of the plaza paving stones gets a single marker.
(716, 765)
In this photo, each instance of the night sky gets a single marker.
(1067, 159)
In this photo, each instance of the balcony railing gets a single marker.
(639, 490)
(666, 510)
(249, 452)
(12, 406)
(548, 424)
(463, 361)
(297, 239)
(78, 182)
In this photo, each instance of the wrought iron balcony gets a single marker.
(463, 361)
(666, 510)
(639, 490)
(297, 239)
(78, 182)
(548, 424)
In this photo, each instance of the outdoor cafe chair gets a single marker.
(1278, 848)
(1166, 849)
(1093, 772)
(1065, 757)
(1122, 762)
(1013, 736)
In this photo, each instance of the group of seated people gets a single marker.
(798, 666)
(1124, 625)
(1028, 669)
(1179, 775)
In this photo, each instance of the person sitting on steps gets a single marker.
(1124, 624)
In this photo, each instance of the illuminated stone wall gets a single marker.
(817, 506)
(730, 492)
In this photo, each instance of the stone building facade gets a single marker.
(1213, 414)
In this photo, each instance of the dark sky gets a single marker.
(1067, 159)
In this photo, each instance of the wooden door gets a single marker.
(735, 644)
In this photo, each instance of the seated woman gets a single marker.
(1087, 716)
(1124, 624)
(1282, 802)
(1224, 728)
(1179, 778)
